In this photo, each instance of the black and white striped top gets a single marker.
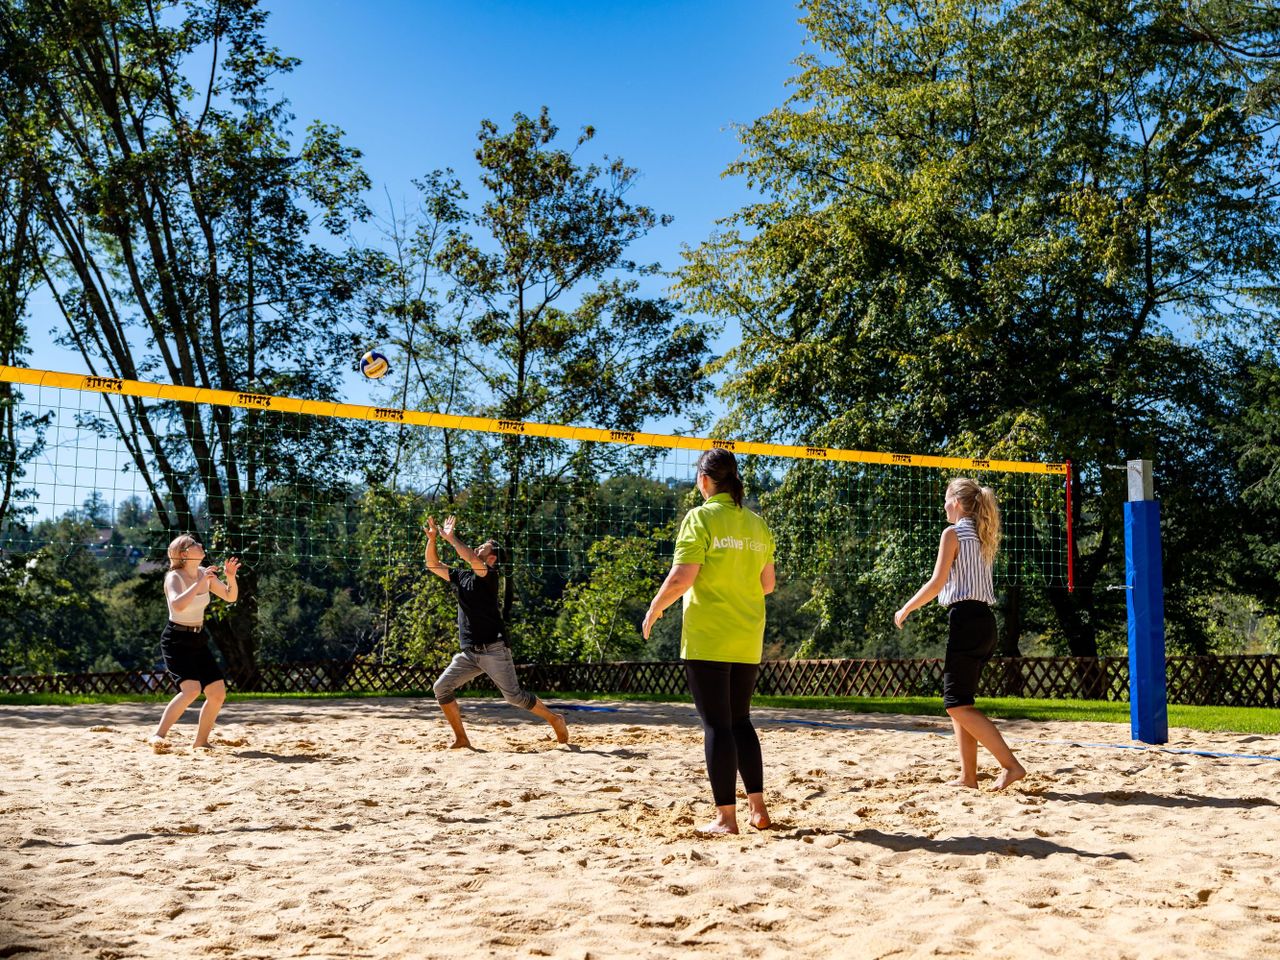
(970, 577)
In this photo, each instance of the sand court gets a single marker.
(343, 828)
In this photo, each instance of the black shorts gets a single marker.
(187, 656)
(970, 644)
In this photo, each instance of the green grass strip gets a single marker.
(1258, 720)
(1255, 720)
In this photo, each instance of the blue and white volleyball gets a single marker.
(374, 365)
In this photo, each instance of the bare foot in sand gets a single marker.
(961, 782)
(1010, 775)
(758, 814)
(560, 727)
(159, 744)
(726, 821)
(718, 827)
(460, 744)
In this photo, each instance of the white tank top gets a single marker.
(193, 615)
(970, 577)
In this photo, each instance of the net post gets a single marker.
(1148, 703)
(1071, 540)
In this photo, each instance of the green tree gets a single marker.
(600, 617)
(1250, 452)
(405, 301)
(986, 227)
(135, 609)
(21, 240)
(549, 319)
(55, 619)
(180, 225)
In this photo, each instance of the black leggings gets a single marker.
(722, 694)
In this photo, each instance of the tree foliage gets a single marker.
(547, 318)
(178, 220)
(990, 228)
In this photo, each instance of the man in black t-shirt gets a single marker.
(482, 633)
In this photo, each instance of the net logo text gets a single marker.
(388, 413)
(511, 426)
(253, 400)
(114, 384)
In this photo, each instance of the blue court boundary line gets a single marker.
(1069, 743)
(575, 706)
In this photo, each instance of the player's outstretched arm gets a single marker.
(432, 558)
(230, 590)
(467, 555)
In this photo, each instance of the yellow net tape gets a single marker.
(352, 411)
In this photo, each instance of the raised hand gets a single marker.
(231, 567)
(450, 524)
(430, 529)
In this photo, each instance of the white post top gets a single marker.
(1141, 486)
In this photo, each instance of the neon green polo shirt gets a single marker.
(724, 609)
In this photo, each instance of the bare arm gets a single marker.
(229, 591)
(468, 557)
(768, 579)
(466, 553)
(679, 580)
(432, 558)
(947, 549)
(181, 599)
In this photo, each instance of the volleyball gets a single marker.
(374, 365)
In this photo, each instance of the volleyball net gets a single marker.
(286, 483)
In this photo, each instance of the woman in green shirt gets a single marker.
(723, 568)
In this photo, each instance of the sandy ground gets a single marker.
(345, 829)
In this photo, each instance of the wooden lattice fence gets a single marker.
(1220, 680)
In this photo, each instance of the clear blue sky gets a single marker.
(661, 82)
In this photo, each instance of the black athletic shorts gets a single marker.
(970, 644)
(187, 655)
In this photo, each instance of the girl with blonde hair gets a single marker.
(184, 644)
(962, 583)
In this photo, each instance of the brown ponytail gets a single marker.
(721, 467)
(979, 503)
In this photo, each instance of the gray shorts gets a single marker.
(496, 661)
